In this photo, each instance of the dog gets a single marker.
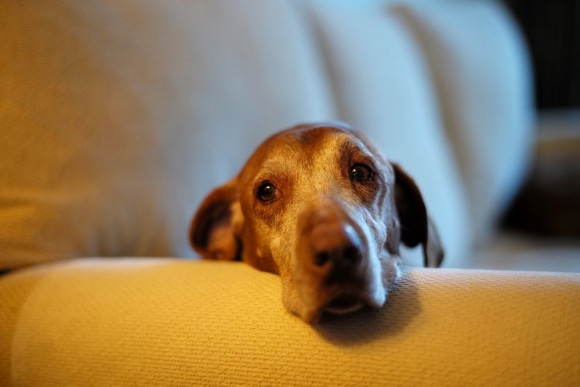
(320, 206)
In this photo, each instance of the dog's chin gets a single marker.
(344, 304)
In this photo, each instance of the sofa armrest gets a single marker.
(169, 322)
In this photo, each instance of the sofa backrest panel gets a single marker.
(119, 116)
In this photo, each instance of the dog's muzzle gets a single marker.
(336, 259)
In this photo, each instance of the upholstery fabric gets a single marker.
(118, 117)
(381, 83)
(478, 62)
(168, 322)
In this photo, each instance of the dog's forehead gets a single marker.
(310, 146)
(307, 143)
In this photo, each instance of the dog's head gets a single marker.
(318, 205)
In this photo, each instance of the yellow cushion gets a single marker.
(172, 322)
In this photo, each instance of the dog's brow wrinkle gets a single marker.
(351, 146)
(348, 146)
(274, 166)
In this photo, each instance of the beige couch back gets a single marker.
(118, 117)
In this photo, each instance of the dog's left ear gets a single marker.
(215, 228)
(416, 225)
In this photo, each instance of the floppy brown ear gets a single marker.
(416, 226)
(215, 228)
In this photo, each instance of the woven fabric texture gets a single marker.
(171, 322)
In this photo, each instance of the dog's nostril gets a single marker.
(351, 253)
(340, 257)
(321, 258)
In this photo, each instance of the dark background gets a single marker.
(552, 30)
(548, 203)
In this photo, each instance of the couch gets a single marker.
(117, 117)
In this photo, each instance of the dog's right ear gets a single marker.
(216, 226)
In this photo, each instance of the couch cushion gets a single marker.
(119, 116)
(382, 85)
(479, 64)
(165, 322)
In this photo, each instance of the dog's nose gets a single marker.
(336, 246)
(344, 256)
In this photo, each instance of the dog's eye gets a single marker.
(361, 172)
(266, 192)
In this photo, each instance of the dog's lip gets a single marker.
(344, 303)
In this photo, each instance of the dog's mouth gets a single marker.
(344, 303)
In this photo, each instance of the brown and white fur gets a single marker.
(318, 205)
